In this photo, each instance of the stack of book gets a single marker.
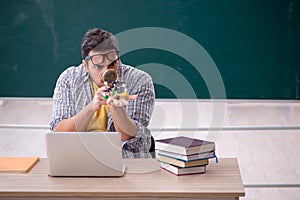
(184, 155)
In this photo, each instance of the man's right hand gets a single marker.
(98, 99)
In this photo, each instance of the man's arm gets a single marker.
(122, 122)
(80, 121)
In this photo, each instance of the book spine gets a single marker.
(186, 159)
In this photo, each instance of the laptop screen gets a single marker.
(84, 154)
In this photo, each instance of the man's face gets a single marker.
(97, 62)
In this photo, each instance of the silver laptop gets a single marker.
(84, 154)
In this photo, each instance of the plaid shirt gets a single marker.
(74, 91)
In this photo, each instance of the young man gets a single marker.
(79, 102)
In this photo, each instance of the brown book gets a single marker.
(184, 145)
(17, 164)
(181, 163)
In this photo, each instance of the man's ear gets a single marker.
(85, 65)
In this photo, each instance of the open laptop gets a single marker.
(84, 154)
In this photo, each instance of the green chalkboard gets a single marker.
(254, 44)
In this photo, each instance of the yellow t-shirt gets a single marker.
(99, 119)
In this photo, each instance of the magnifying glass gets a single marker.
(110, 78)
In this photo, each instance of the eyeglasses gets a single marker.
(98, 59)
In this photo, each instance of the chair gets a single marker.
(152, 147)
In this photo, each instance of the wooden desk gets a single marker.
(143, 180)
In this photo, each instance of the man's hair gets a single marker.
(98, 39)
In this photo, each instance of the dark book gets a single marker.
(198, 156)
(181, 163)
(183, 171)
(184, 145)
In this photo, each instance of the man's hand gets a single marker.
(98, 99)
(122, 122)
(121, 99)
